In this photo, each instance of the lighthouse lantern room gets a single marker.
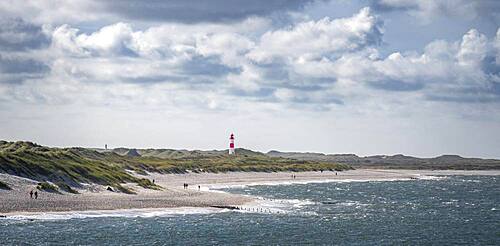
(231, 144)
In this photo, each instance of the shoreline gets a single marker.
(128, 213)
(173, 198)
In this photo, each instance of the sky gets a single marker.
(413, 77)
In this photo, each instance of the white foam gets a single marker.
(213, 187)
(429, 177)
(126, 213)
(275, 206)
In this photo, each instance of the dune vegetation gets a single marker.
(45, 186)
(4, 186)
(69, 167)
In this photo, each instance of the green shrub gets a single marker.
(63, 186)
(124, 189)
(47, 187)
(146, 183)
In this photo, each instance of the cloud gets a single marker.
(210, 66)
(193, 11)
(310, 64)
(115, 39)
(445, 70)
(496, 45)
(166, 53)
(427, 10)
(53, 11)
(15, 70)
(18, 35)
(316, 39)
(473, 48)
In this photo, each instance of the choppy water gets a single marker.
(451, 210)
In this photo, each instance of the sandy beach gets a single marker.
(95, 197)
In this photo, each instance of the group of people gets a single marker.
(293, 176)
(33, 193)
(186, 186)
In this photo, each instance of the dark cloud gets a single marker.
(208, 66)
(463, 99)
(153, 79)
(306, 87)
(396, 85)
(485, 94)
(279, 72)
(21, 66)
(306, 99)
(194, 11)
(191, 82)
(483, 9)
(489, 9)
(490, 66)
(198, 70)
(17, 70)
(383, 6)
(18, 35)
(262, 94)
(274, 70)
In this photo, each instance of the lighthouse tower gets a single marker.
(231, 144)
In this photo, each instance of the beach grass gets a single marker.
(45, 186)
(65, 187)
(4, 186)
(148, 184)
(124, 189)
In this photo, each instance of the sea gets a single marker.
(440, 210)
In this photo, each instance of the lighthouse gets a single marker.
(231, 144)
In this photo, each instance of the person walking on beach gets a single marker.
(36, 194)
(31, 194)
(199, 187)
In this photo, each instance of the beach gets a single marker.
(201, 193)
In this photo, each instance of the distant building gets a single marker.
(231, 144)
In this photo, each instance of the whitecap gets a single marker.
(277, 206)
(213, 187)
(124, 213)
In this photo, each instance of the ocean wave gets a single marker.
(276, 206)
(124, 213)
(429, 177)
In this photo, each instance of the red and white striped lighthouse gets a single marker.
(231, 144)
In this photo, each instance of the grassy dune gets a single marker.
(72, 166)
